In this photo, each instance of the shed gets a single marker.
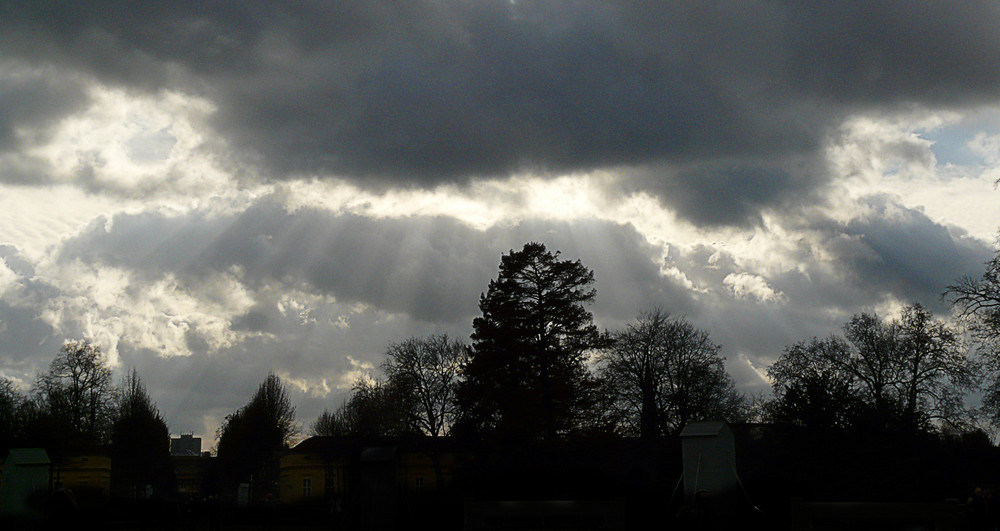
(25, 474)
(709, 459)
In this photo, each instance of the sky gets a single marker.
(214, 192)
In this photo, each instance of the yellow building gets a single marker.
(418, 473)
(320, 469)
(314, 471)
(88, 476)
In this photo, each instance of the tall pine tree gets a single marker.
(527, 376)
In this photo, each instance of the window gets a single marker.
(307, 487)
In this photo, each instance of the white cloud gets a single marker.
(360, 370)
(112, 305)
(987, 146)
(748, 286)
(132, 142)
(7, 277)
(887, 155)
(317, 387)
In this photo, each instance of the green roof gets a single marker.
(26, 456)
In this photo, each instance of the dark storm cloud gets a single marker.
(31, 101)
(419, 93)
(729, 192)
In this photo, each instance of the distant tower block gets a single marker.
(709, 458)
(187, 444)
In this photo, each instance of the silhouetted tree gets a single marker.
(902, 374)
(140, 441)
(78, 388)
(375, 408)
(250, 438)
(378, 408)
(873, 362)
(667, 373)
(11, 403)
(978, 303)
(426, 371)
(526, 375)
(935, 371)
(330, 424)
(810, 389)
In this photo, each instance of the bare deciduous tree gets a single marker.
(427, 371)
(667, 373)
(78, 387)
(907, 373)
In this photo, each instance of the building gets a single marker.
(86, 474)
(24, 474)
(190, 473)
(185, 445)
(709, 461)
(320, 469)
(316, 470)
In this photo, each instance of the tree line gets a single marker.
(76, 406)
(537, 368)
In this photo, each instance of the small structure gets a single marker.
(25, 475)
(709, 460)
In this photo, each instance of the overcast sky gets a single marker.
(211, 193)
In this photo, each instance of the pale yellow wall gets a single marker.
(79, 472)
(414, 467)
(295, 468)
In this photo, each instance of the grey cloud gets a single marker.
(430, 268)
(15, 262)
(32, 99)
(420, 275)
(216, 383)
(416, 94)
(26, 336)
(887, 252)
(903, 252)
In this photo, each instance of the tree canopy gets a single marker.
(11, 403)
(665, 373)
(250, 438)
(375, 408)
(977, 301)
(78, 389)
(526, 375)
(426, 371)
(905, 373)
(140, 441)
